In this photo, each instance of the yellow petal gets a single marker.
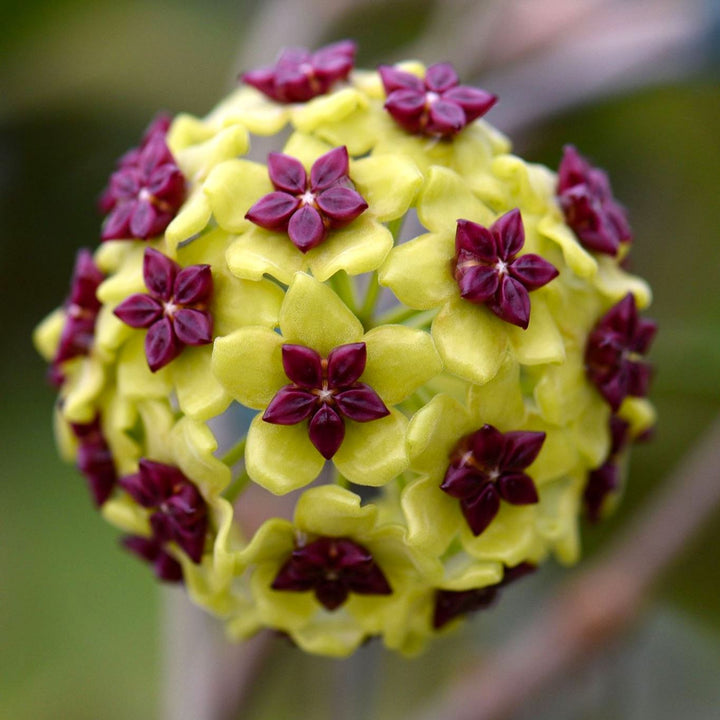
(257, 252)
(433, 517)
(334, 511)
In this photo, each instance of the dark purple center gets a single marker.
(436, 105)
(325, 390)
(590, 209)
(146, 190)
(175, 310)
(307, 208)
(179, 510)
(332, 568)
(489, 271)
(487, 466)
(95, 460)
(614, 353)
(299, 75)
(165, 566)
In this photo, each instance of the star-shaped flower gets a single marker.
(590, 209)
(614, 353)
(324, 391)
(450, 604)
(604, 480)
(175, 309)
(146, 190)
(473, 257)
(179, 510)
(95, 460)
(306, 208)
(332, 568)
(81, 310)
(299, 75)
(489, 271)
(254, 365)
(487, 466)
(165, 566)
(436, 105)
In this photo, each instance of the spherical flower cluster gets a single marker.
(353, 387)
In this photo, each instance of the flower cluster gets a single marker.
(437, 399)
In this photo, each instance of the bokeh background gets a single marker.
(636, 89)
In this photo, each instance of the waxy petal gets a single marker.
(481, 511)
(532, 271)
(326, 431)
(290, 406)
(394, 79)
(473, 101)
(193, 327)
(329, 169)
(512, 302)
(477, 241)
(159, 273)
(488, 446)
(345, 364)
(479, 283)
(139, 311)
(441, 77)
(521, 449)
(117, 223)
(147, 220)
(464, 482)
(306, 228)
(161, 345)
(192, 285)
(517, 489)
(509, 233)
(407, 107)
(361, 404)
(445, 118)
(274, 211)
(287, 173)
(341, 204)
(302, 365)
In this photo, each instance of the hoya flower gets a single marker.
(179, 512)
(614, 353)
(95, 460)
(451, 604)
(307, 207)
(488, 270)
(436, 105)
(329, 225)
(384, 296)
(472, 272)
(81, 310)
(590, 209)
(338, 404)
(145, 192)
(174, 310)
(299, 75)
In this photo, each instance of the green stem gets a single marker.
(343, 286)
(235, 453)
(422, 319)
(371, 296)
(397, 314)
(395, 226)
(234, 489)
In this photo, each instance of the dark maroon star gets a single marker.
(175, 309)
(146, 190)
(450, 604)
(614, 353)
(590, 209)
(325, 390)
(487, 466)
(436, 105)
(489, 271)
(306, 208)
(165, 566)
(179, 510)
(332, 568)
(95, 460)
(299, 75)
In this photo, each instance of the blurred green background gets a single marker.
(80, 621)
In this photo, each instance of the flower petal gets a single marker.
(419, 271)
(258, 251)
(478, 283)
(199, 393)
(287, 173)
(306, 228)
(302, 365)
(532, 271)
(290, 406)
(333, 511)
(399, 361)
(360, 403)
(248, 363)
(329, 169)
(281, 458)
(473, 101)
(481, 510)
(159, 273)
(432, 516)
(511, 303)
(441, 77)
(345, 364)
(314, 316)
(161, 345)
(360, 247)
(341, 204)
(193, 284)
(373, 453)
(517, 489)
(542, 341)
(326, 431)
(471, 341)
(273, 211)
(139, 311)
(193, 327)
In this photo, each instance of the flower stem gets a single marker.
(344, 288)
(234, 489)
(372, 293)
(396, 314)
(235, 453)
